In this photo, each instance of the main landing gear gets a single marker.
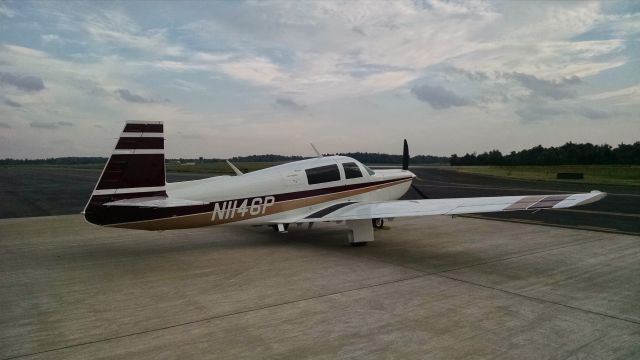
(358, 244)
(281, 228)
(362, 230)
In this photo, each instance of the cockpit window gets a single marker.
(351, 170)
(323, 174)
(371, 172)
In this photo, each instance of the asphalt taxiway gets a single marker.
(431, 287)
(619, 212)
(41, 191)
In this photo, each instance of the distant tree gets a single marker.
(380, 158)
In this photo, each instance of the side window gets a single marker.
(323, 174)
(351, 170)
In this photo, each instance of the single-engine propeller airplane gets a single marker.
(132, 193)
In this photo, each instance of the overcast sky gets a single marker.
(239, 78)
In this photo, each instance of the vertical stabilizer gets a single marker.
(135, 169)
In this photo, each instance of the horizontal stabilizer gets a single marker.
(154, 202)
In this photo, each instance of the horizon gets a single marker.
(238, 78)
(106, 156)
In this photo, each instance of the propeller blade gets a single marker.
(405, 156)
(419, 191)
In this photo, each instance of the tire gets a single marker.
(275, 227)
(378, 223)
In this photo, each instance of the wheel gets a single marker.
(275, 227)
(378, 223)
(358, 244)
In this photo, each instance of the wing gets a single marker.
(402, 208)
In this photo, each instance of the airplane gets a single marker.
(132, 193)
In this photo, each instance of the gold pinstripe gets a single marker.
(204, 219)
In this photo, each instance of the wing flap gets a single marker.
(404, 208)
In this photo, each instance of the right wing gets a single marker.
(402, 208)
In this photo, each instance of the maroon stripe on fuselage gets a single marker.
(147, 128)
(133, 170)
(148, 143)
(97, 213)
(109, 215)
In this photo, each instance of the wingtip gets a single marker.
(597, 196)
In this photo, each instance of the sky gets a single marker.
(253, 77)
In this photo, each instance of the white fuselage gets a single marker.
(292, 178)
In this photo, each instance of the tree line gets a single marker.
(69, 160)
(368, 158)
(567, 154)
(380, 158)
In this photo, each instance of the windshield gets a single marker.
(371, 172)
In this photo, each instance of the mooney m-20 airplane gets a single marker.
(132, 193)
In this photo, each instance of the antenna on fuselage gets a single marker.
(318, 155)
(234, 168)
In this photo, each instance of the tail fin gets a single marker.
(135, 169)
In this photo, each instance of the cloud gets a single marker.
(5, 11)
(117, 30)
(530, 97)
(553, 89)
(358, 30)
(12, 103)
(595, 114)
(25, 83)
(128, 96)
(625, 96)
(49, 125)
(290, 104)
(52, 39)
(538, 112)
(258, 70)
(438, 97)
(478, 76)
(188, 86)
(4, 126)
(221, 61)
(546, 111)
